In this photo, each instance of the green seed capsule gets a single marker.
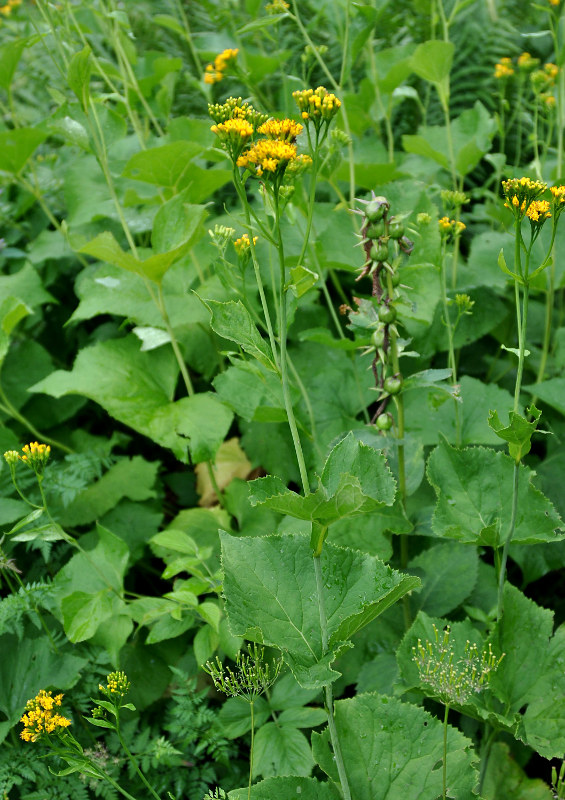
(379, 252)
(375, 230)
(396, 229)
(393, 384)
(387, 314)
(395, 278)
(378, 338)
(384, 422)
(375, 209)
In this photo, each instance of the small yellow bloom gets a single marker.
(538, 211)
(243, 244)
(277, 7)
(317, 105)
(504, 68)
(286, 130)
(39, 718)
(267, 154)
(214, 73)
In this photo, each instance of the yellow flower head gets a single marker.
(286, 130)
(35, 456)
(277, 7)
(520, 193)
(267, 155)
(317, 105)
(243, 244)
(235, 108)
(448, 227)
(7, 9)
(538, 211)
(41, 718)
(504, 68)
(215, 72)
(444, 225)
(117, 685)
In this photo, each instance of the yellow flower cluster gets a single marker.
(215, 72)
(243, 244)
(39, 717)
(7, 9)
(285, 130)
(35, 456)
(270, 155)
(504, 68)
(233, 134)
(450, 226)
(235, 108)
(527, 61)
(277, 7)
(317, 105)
(116, 684)
(538, 211)
(521, 192)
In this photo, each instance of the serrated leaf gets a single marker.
(518, 433)
(232, 321)
(270, 591)
(474, 499)
(394, 750)
(449, 573)
(288, 788)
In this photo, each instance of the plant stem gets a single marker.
(132, 760)
(328, 689)
(7, 407)
(251, 707)
(503, 560)
(444, 771)
(451, 363)
(485, 755)
(283, 359)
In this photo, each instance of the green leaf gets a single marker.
(523, 635)
(268, 601)
(394, 750)
(17, 146)
(137, 388)
(167, 165)
(504, 268)
(449, 573)
(177, 223)
(12, 311)
(355, 480)
(432, 61)
(474, 499)
(302, 280)
(544, 720)
(33, 665)
(505, 777)
(132, 478)
(518, 433)
(78, 76)
(287, 789)
(84, 612)
(105, 248)
(551, 392)
(232, 321)
(234, 717)
(10, 54)
(281, 750)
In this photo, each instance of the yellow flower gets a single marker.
(538, 211)
(116, 683)
(243, 244)
(520, 193)
(504, 68)
(317, 105)
(277, 7)
(39, 717)
(444, 225)
(233, 130)
(286, 130)
(215, 72)
(268, 155)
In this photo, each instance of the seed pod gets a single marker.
(384, 422)
(378, 338)
(376, 208)
(379, 252)
(375, 230)
(387, 314)
(393, 384)
(396, 229)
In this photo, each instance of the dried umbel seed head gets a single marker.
(253, 674)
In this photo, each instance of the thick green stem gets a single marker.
(485, 755)
(328, 689)
(503, 560)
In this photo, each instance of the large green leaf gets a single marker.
(10, 54)
(505, 778)
(355, 480)
(270, 591)
(474, 499)
(432, 60)
(166, 165)
(137, 388)
(105, 248)
(287, 789)
(12, 311)
(393, 750)
(449, 573)
(544, 720)
(551, 392)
